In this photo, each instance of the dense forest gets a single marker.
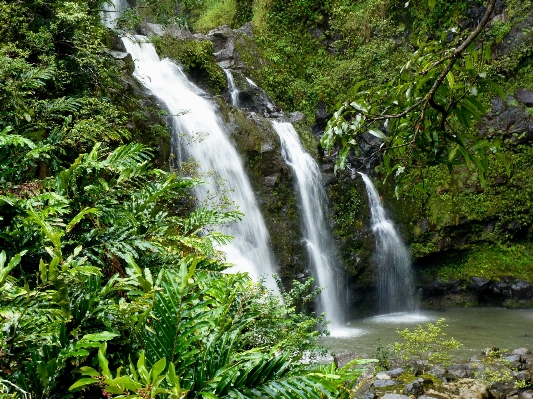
(113, 277)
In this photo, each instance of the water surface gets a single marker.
(475, 328)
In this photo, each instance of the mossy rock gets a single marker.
(197, 58)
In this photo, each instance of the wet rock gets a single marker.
(343, 359)
(458, 371)
(296, 117)
(395, 373)
(528, 360)
(321, 118)
(439, 372)
(501, 289)
(414, 388)
(480, 283)
(514, 360)
(467, 389)
(254, 99)
(521, 290)
(223, 45)
(523, 375)
(510, 119)
(521, 351)
(369, 395)
(382, 375)
(385, 383)
(525, 97)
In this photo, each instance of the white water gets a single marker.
(316, 230)
(233, 90)
(113, 10)
(393, 261)
(199, 134)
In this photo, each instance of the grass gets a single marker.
(492, 262)
(216, 13)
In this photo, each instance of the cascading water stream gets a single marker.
(112, 11)
(316, 230)
(392, 258)
(195, 120)
(233, 90)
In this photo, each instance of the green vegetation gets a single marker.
(427, 345)
(109, 282)
(217, 13)
(197, 58)
(492, 262)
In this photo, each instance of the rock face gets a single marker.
(260, 151)
(511, 119)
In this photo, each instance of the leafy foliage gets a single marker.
(427, 345)
(425, 118)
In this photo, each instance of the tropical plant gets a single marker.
(425, 117)
(427, 345)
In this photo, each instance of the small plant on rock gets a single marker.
(427, 345)
(495, 369)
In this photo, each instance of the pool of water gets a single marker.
(475, 328)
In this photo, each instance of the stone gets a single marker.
(523, 375)
(385, 383)
(521, 290)
(344, 358)
(394, 396)
(521, 351)
(524, 96)
(439, 372)
(382, 375)
(369, 395)
(469, 389)
(414, 388)
(395, 373)
(296, 117)
(526, 394)
(480, 283)
(457, 371)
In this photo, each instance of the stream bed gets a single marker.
(475, 328)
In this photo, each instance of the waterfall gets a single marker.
(316, 230)
(233, 90)
(393, 261)
(113, 10)
(199, 134)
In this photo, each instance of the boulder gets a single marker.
(395, 373)
(385, 383)
(525, 97)
(521, 289)
(343, 359)
(480, 283)
(462, 389)
(521, 351)
(394, 396)
(458, 371)
(523, 375)
(414, 388)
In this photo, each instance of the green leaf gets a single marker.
(158, 368)
(378, 133)
(82, 383)
(89, 371)
(451, 79)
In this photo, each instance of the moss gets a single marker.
(197, 58)
(216, 13)
(490, 261)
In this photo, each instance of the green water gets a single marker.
(475, 328)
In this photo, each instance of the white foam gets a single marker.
(401, 318)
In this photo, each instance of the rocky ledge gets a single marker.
(490, 375)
